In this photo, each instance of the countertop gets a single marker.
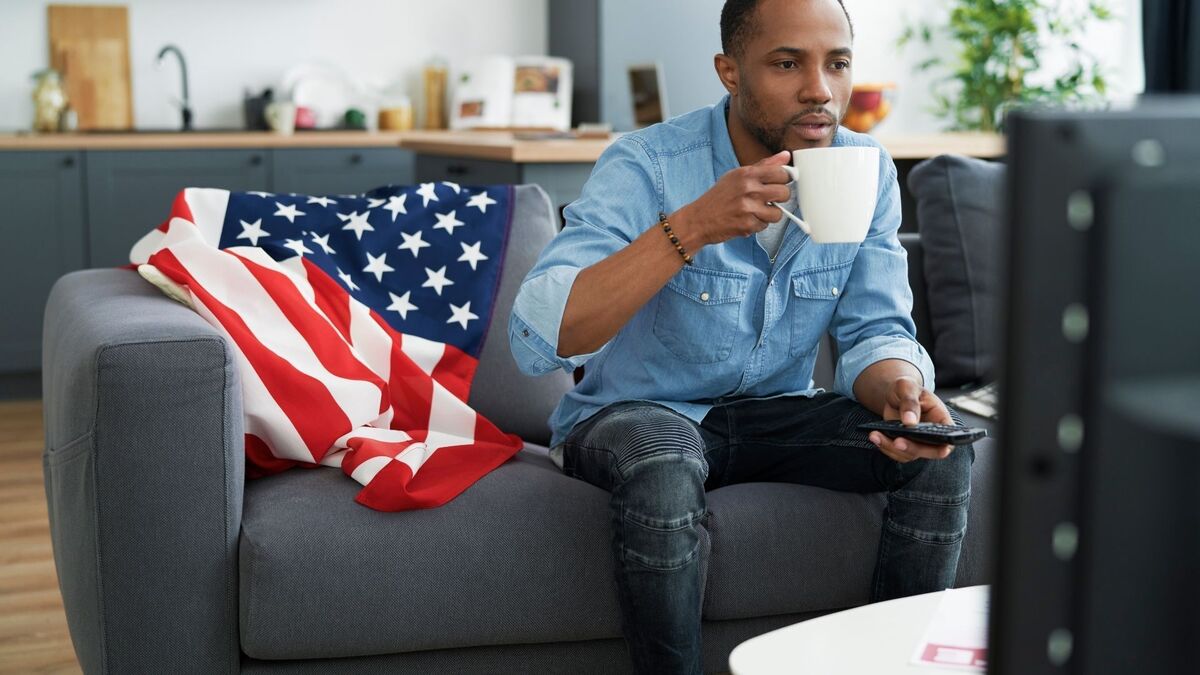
(504, 146)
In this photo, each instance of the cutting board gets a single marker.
(89, 45)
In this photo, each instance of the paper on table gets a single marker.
(957, 635)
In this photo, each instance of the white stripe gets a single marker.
(146, 246)
(366, 472)
(371, 343)
(228, 280)
(208, 206)
(424, 353)
(415, 455)
(451, 422)
(375, 434)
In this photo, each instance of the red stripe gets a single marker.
(362, 449)
(333, 300)
(446, 474)
(260, 461)
(303, 399)
(332, 351)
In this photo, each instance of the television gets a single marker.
(1098, 540)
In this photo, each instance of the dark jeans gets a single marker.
(658, 464)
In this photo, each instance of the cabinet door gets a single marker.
(328, 171)
(466, 171)
(43, 238)
(130, 192)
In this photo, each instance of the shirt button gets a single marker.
(835, 290)
(704, 297)
(525, 333)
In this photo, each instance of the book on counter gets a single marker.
(502, 92)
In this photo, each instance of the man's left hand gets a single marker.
(911, 403)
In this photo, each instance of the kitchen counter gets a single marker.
(198, 139)
(489, 145)
(504, 146)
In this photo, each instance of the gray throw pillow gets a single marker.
(958, 215)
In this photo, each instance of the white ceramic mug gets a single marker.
(281, 117)
(836, 190)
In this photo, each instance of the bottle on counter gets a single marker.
(49, 101)
(434, 77)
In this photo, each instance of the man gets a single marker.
(699, 374)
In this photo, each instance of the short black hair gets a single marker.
(737, 24)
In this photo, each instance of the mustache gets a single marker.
(826, 115)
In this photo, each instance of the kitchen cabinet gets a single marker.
(130, 192)
(562, 181)
(43, 238)
(328, 171)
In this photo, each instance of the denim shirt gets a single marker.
(733, 324)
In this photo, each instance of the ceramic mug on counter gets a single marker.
(281, 117)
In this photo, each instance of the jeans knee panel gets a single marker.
(660, 544)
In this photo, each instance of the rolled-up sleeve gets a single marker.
(873, 321)
(620, 200)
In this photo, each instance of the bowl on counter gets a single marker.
(870, 103)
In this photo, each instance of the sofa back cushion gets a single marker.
(515, 402)
(958, 217)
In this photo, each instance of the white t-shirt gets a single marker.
(772, 237)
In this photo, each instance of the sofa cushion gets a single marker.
(958, 202)
(780, 549)
(522, 556)
(516, 403)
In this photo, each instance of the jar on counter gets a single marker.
(434, 78)
(396, 113)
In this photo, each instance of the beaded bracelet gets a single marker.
(662, 220)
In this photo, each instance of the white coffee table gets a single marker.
(876, 639)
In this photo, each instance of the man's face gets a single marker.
(794, 74)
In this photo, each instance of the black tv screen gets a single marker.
(1098, 556)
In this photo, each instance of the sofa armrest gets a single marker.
(144, 471)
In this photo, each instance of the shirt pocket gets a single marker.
(698, 314)
(815, 293)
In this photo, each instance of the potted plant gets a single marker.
(997, 55)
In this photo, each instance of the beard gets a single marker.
(756, 121)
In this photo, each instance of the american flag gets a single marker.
(357, 322)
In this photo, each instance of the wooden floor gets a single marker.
(33, 628)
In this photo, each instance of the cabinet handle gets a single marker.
(356, 158)
(256, 160)
(68, 162)
(456, 170)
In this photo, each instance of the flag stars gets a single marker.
(481, 200)
(378, 266)
(453, 186)
(253, 231)
(357, 223)
(346, 279)
(400, 304)
(426, 191)
(323, 242)
(396, 205)
(298, 246)
(437, 280)
(264, 195)
(288, 212)
(413, 242)
(373, 203)
(323, 201)
(447, 222)
(461, 315)
(472, 254)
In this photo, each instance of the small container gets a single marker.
(396, 114)
(434, 78)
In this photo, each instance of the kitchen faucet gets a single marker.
(184, 104)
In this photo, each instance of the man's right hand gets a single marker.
(737, 205)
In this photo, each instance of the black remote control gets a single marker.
(927, 432)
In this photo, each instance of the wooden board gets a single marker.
(89, 45)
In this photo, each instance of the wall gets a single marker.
(232, 45)
(683, 35)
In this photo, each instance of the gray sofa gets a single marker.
(169, 560)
